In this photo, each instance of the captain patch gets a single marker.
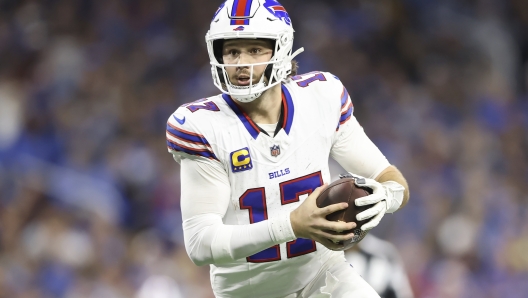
(241, 160)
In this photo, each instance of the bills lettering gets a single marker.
(280, 173)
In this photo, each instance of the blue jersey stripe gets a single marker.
(248, 123)
(188, 136)
(290, 109)
(204, 153)
(344, 97)
(346, 115)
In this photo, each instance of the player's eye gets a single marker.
(231, 52)
(255, 51)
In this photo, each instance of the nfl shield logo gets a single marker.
(275, 150)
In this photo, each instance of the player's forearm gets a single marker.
(209, 241)
(391, 173)
(205, 199)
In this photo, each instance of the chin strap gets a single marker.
(244, 97)
(299, 50)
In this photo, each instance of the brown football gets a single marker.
(345, 190)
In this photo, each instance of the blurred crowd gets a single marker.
(89, 196)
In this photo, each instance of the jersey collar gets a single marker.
(285, 120)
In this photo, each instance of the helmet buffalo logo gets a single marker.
(239, 28)
(276, 9)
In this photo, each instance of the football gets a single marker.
(345, 190)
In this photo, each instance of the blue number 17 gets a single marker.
(254, 200)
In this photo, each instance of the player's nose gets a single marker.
(244, 58)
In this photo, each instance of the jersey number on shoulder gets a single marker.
(254, 200)
(202, 104)
(208, 105)
(315, 76)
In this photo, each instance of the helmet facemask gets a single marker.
(278, 68)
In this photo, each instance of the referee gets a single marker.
(379, 263)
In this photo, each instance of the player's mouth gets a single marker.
(243, 80)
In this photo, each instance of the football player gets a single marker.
(255, 157)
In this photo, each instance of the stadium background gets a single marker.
(89, 197)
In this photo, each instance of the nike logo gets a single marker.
(179, 121)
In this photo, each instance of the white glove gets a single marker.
(387, 196)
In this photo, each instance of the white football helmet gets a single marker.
(266, 19)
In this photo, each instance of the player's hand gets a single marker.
(309, 221)
(387, 197)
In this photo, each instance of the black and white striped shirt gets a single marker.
(379, 263)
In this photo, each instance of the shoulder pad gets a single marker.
(185, 138)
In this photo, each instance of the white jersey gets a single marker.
(270, 175)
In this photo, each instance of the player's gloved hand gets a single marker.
(387, 197)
